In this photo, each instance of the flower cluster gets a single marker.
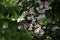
(33, 18)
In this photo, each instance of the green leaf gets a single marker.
(8, 34)
(44, 21)
(13, 25)
(15, 16)
(49, 14)
(0, 34)
(25, 35)
(1, 16)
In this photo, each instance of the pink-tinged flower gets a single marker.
(46, 4)
(39, 31)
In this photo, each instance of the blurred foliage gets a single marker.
(9, 9)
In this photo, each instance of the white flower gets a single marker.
(19, 27)
(41, 32)
(28, 0)
(53, 22)
(32, 17)
(4, 26)
(41, 16)
(25, 26)
(33, 20)
(31, 11)
(37, 25)
(41, 6)
(20, 4)
(48, 8)
(48, 37)
(42, 11)
(30, 27)
(37, 30)
(37, 8)
(44, 27)
(20, 19)
(29, 18)
(13, 19)
(38, 1)
(46, 5)
(54, 28)
(24, 13)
